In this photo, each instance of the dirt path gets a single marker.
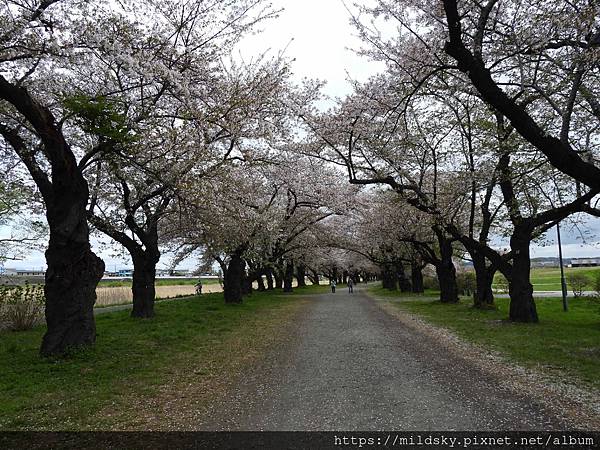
(350, 365)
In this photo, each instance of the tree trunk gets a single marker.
(416, 277)
(247, 283)
(70, 291)
(314, 277)
(288, 277)
(403, 282)
(73, 272)
(269, 275)
(233, 278)
(484, 277)
(446, 272)
(301, 275)
(278, 278)
(260, 281)
(143, 286)
(389, 278)
(522, 305)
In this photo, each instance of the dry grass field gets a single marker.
(108, 296)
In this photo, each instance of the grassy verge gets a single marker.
(567, 344)
(192, 340)
(548, 278)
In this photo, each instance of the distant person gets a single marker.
(199, 287)
(350, 285)
(332, 284)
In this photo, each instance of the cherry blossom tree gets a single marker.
(44, 47)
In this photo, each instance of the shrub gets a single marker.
(21, 307)
(577, 282)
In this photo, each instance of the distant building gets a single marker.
(585, 262)
(30, 273)
(125, 273)
(180, 273)
(7, 271)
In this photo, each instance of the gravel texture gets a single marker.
(348, 364)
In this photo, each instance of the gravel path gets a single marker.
(349, 365)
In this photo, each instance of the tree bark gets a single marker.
(260, 281)
(484, 277)
(233, 278)
(70, 290)
(288, 277)
(446, 272)
(522, 305)
(301, 275)
(403, 281)
(247, 279)
(143, 287)
(389, 277)
(269, 276)
(416, 276)
(73, 269)
(278, 278)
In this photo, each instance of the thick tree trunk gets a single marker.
(389, 277)
(445, 270)
(484, 277)
(416, 277)
(301, 275)
(522, 305)
(288, 277)
(70, 290)
(403, 281)
(233, 278)
(143, 287)
(73, 272)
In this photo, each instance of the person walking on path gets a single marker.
(332, 284)
(350, 285)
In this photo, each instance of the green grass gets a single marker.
(131, 358)
(568, 343)
(548, 278)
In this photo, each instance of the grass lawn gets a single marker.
(197, 339)
(548, 278)
(565, 343)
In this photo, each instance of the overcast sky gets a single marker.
(318, 35)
